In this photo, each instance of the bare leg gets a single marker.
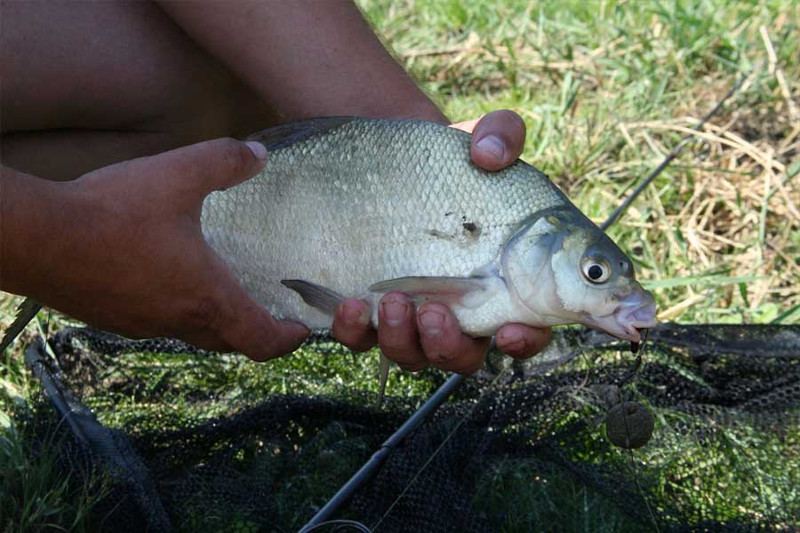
(92, 83)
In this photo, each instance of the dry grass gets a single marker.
(742, 207)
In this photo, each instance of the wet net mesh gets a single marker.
(192, 441)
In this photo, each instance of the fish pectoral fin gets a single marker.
(317, 296)
(448, 290)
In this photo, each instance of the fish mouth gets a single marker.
(635, 312)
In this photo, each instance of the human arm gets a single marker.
(306, 58)
(121, 248)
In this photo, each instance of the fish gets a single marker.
(350, 207)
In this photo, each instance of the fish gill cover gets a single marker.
(215, 444)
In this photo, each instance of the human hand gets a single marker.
(431, 335)
(126, 252)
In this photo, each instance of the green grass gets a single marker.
(140, 386)
(34, 497)
(606, 89)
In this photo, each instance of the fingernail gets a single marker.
(354, 314)
(431, 322)
(393, 313)
(258, 150)
(492, 145)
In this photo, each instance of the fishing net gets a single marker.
(193, 441)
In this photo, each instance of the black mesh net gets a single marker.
(198, 441)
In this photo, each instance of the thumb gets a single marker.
(248, 328)
(196, 170)
(497, 140)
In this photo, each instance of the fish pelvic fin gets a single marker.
(317, 296)
(25, 313)
(384, 377)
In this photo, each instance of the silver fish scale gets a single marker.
(368, 201)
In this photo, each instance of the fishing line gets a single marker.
(621, 209)
(452, 432)
(639, 486)
(636, 472)
(439, 448)
(674, 152)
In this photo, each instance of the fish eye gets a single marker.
(596, 270)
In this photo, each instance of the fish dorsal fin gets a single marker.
(386, 365)
(25, 313)
(291, 133)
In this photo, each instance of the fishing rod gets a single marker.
(672, 154)
(377, 459)
(322, 517)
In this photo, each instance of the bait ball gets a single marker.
(629, 425)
